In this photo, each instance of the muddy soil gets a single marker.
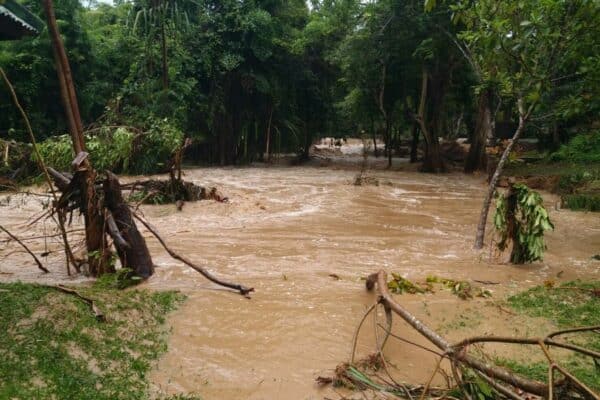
(284, 231)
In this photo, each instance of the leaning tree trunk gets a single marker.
(97, 253)
(130, 244)
(477, 158)
(479, 236)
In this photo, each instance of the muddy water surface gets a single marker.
(285, 231)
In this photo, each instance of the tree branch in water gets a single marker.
(244, 291)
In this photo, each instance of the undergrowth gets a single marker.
(52, 346)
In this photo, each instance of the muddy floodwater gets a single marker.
(304, 237)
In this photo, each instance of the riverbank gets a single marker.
(54, 346)
(304, 237)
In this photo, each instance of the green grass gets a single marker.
(566, 308)
(52, 346)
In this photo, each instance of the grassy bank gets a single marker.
(569, 305)
(52, 345)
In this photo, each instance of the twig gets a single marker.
(528, 341)
(16, 239)
(244, 291)
(97, 312)
(357, 331)
(68, 253)
(426, 388)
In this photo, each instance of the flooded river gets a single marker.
(285, 231)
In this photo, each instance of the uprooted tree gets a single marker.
(98, 196)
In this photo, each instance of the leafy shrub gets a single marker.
(119, 150)
(156, 146)
(569, 183)
(57, 152)
(582, 148)
(586, 202)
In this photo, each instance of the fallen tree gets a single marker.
(504, 382)
(120, 225)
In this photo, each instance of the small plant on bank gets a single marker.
(522, 219)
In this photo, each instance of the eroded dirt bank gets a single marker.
(284, 231)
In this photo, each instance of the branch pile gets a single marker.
(472, 376)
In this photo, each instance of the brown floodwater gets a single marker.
(284, 232)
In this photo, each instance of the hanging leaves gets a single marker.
(521, 218)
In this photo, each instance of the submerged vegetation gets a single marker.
(146, 85)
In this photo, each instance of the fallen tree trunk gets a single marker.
(458, 355)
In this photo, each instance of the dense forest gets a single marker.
(247, 79)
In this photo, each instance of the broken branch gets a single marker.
(16, 239)
(244, 291)
(97, 312)
(493, 371)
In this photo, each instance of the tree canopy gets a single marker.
(245, 79)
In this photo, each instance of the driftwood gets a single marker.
(502, 380)
(16, 239)
(244, 291)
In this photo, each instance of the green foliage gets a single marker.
(582, 148)
(399, 285)
(524, 223)
(582, 202)
(57, 152)
(477, 387)
(462, 289)
(121, 279)
(53, 347)
(119, 150)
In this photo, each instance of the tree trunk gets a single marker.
(477, 158)
(479, 236)
(433, 159)
(389, 144)
(96, 246)
(134, 254)
(268, 139)
(414, 145)
(375, 151)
